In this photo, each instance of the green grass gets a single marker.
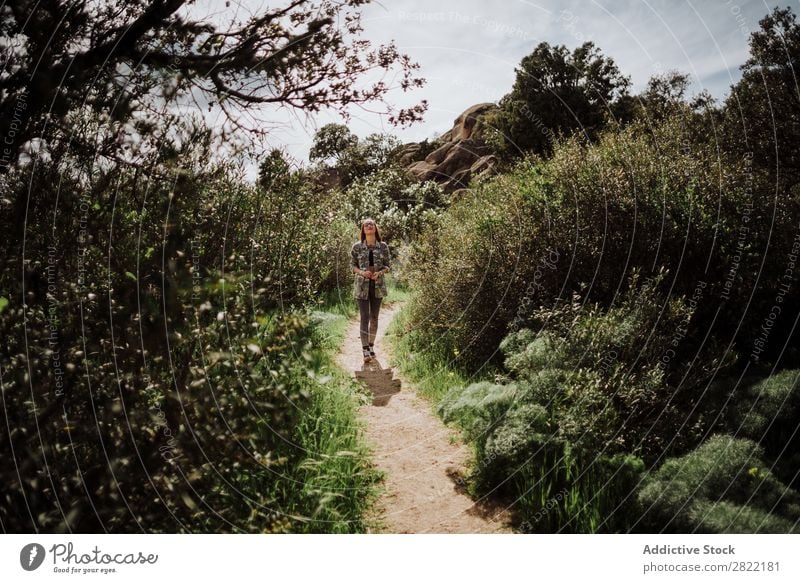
(397, 293)
(339, 482)
(337, 473)
(338, 302)
(432, 372)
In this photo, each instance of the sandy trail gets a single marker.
(421, 458)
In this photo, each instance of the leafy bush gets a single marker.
(652, 199)
(401, 205)
(721, 487)
(588, 404)
(335, 274)
(767, 410)
(159, 370)
(553, 484)
(770, 405)
(587, 407)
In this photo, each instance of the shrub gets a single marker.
(721, 487)
(158, 365)
(588, 406)
(336, 274)
(767, 411)
(401, 205)
(651, 199)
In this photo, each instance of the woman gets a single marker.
(369, 262)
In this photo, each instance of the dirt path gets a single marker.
(414, 448)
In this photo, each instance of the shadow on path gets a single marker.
(379, 381)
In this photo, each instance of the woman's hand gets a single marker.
(371, 274)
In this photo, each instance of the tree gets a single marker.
(664, 92)
(125, 58)
(556, 91)
(762, 112)
(336, 146)
(273, 169)
(332, 142)
(378, 148)
(665, 96)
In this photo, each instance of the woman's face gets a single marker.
(369, 226)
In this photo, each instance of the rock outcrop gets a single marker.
(461, 155)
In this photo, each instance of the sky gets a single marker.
(468, 50)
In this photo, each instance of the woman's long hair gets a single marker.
(377, 231)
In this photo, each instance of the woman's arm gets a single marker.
(354, 261)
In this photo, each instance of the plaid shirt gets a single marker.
(359, 257)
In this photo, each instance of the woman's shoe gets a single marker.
(371, 351)
(367, 355)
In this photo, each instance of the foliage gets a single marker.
(274, 170)
(723, 486)
(759, 114)
(664, 97)
(586, 407)
(337, 274)
(641, 287)
(605, 374)
(766, 410)
(332, 141)
(125, 60)
(556, 92)
(642, 198)
(352, 158)
(401, 205)
(161, 374)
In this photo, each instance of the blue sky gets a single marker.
(468, 49)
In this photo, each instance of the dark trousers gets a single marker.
(369, 309)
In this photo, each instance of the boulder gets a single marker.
(408, 154)
(422, 170)
(439, 153)
(484, 164)
(465, 123)
(462, 155)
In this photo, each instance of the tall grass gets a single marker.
(333, 489)
(337, 473)
(431, 368)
